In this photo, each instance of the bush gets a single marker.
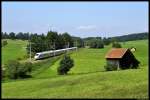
(24, 69)
(26, 56)
(65, 65)
(4, 43)
(11, 69)
(110, 67)
(116, 45)
(15, 70)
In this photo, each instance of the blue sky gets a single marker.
(83, 19)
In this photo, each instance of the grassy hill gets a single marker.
(13, 50)
(87, 79)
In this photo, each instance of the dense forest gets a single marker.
(131, 37)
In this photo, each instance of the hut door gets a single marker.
(118, 65)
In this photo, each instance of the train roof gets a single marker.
(51, 51)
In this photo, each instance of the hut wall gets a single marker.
(113, 62)
(127, 60)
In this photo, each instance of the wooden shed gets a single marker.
(121, 58)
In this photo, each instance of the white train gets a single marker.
(50, 53)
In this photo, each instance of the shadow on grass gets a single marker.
(26, 76)
(83, 73)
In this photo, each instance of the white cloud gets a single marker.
(87, 27)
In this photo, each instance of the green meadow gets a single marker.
(87, 79)
(13, 50)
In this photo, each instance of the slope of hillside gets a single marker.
(87, 79)
(13, 50)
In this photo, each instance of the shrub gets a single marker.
(65, 65)
(4, 43)
(12, 68)
(24, 70)
(26, 56)
(15, 70)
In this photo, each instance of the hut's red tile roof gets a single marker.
(116, 53)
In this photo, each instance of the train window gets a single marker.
(36, 54)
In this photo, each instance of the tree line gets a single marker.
(131, 37)
(12, 35)
(54, 40)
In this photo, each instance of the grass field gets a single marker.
(87, 79)
(13, 50)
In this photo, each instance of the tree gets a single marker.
(12, 35)
(4, 35)
(65, 65)
(100, 44)
(15, 70)
(116, 45)
(53, 40)
(38, 44)
(78, 42)
(20, 36)
(96, 43)
(93, 44)
(67, 39)
(106, 41)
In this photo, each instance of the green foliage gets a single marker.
(12, 35)
(15, 70)
(4, 42)
(65, 65)
(24, 70)
(106, 41)
(116, 45)
(96, 43)
(78, 42)
(12, 69)
(132, 37)
(67, 39)
(52, 41)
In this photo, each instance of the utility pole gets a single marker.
(68, 44)
(76, 45)
(54, 47)
(30, 46)
(30, 51)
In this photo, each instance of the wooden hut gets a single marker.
(121, 58)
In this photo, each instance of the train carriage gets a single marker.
(46, 54)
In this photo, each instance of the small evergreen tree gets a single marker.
(65, 65)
